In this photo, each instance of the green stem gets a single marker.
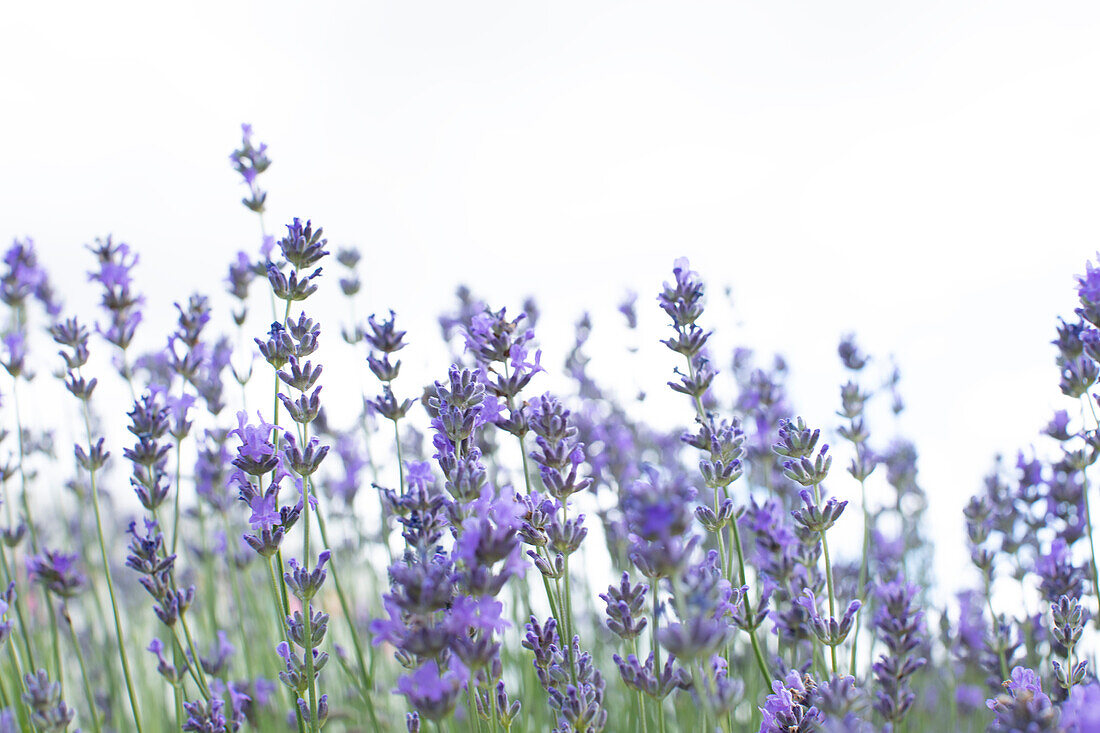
(863, 569)
(23, 629)
(281, 610)
(352, 631)
(993, 626)
(657, 669)
(110, 584)
(828, 579)
(83, 670)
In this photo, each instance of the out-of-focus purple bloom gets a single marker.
(790, 706)
(115, 263)
(900, 625)
(432, 692)
(24, 277)
(1023, 707)
(249, 161)
(1059, 576)
(1081, 712)
(57, 572)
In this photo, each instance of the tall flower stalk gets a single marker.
(719, 441)
(73, 337)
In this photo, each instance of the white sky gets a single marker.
(922, 173)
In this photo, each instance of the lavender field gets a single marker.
(190, 543)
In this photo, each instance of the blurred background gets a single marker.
(924, 176)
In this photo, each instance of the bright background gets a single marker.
(922, 173)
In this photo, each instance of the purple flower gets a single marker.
(1023, 706)
(789, 707)
(1059, 576)
(1088, 285)
(431, 692)
(256, 454)
(418, 474)
(265, 511)
(1081, 712)
(57, 572)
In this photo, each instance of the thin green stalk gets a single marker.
(346, 608)
(176, 502)
(23, 628)
(177, 699)
(863, 570)
(54, 635)
(757, 652)
(283, 612)
(307, 610)
(110, 584)
(4, 699)
(471, 706)
(83, 670)
(657, 669)
(240, 609)
(20, 684)
(203, 685)
(828, 580)
(640, 696)
(993, 625)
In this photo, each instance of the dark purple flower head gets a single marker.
(23, 277)
(303, 246)
(433, 692)
(850, 354)
(205, 716)
(629, 311)
(15, 353)
(1081, 712)
(682, 300)
(43, 698)
(7, 598)
(1058, 427)
(1058, 575)
(256, 455)
(790, 707)
(57, 572)
(1088, 289)
(706, 604)
(249, 161)
(899, 624)
(1023, 706)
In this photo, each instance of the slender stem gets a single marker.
(54, 635)
(863, 569)
(282, 610)
(110, 584)
(240, 610)
(757, 652)
(177, 699)
(701, 412)
(657, 669)
(828, 579)
(365, 682)
(993, 625)
(23, 628)
(471, 706)
(176, 503)
(203, 685)
(1069, 671)
(20, 683)
(307, 607)
(641, 697)
(83, 670)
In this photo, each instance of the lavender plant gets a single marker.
(724, 587)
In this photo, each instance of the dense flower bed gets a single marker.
(436, 563)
